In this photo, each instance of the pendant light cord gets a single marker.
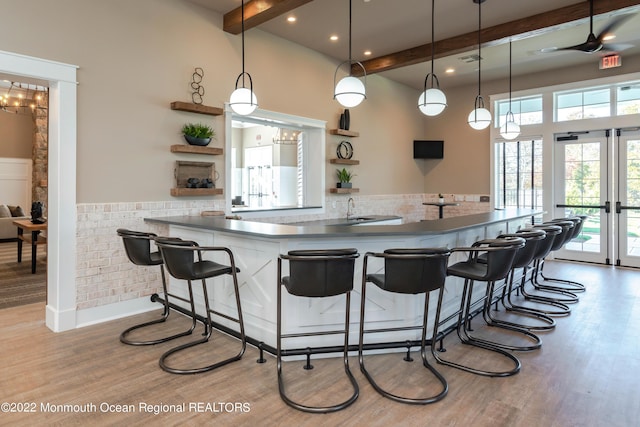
(242, 11)
(509, 75)
(479, 47)
(350, 37)
(433, 8)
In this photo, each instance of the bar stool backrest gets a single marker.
(414, 271)
(566, 235)
(500, 256)
(137, 245)
(532, 238)
(320, 273)
(552, 233)
(178, 256)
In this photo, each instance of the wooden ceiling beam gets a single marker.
(519, 29)
(257, 12)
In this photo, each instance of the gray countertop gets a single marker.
(356, 219)
(278, 231)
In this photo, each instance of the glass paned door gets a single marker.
(582, 188)
(627, 207)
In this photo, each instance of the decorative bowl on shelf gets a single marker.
(192, 140)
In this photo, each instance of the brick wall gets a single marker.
(105, 275)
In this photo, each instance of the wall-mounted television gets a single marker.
(428, 149)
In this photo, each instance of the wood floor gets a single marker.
(586, 374)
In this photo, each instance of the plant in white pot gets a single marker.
(344, 178)
(198, 134)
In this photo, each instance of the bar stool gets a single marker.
(524, 257)
(316, 274)
(500, 254)
(407, 271)
(184, 261)
(553, 232)
(568, 285)
(137, 245)
(565, 296)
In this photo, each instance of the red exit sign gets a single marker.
(610, 61)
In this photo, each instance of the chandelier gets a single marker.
(24, 98)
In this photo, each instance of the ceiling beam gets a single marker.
(519, 29)
(257, 12)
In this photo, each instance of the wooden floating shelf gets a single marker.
(344, 190)
(196, 149)
(343, 132)
(196, 108)
(181, 192)
(344, 161)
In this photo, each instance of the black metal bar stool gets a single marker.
(184, 261)
(564, 295)
(316, 274)
(524, 257)
(568, 285)
(137, 245)
(500, 254)
(553, 232)
(407, 271)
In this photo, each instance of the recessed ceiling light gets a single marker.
(367, 53)
(333, 38)
(450, 70)
(291, 19)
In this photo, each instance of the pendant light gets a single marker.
(243, 101)
(350, 90)
(510, 129)
(480, 117)
(432, 101)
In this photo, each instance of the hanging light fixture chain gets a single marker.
(433, 40)
(242, 12)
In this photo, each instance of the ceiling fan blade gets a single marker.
(613, 24)
(616, 47)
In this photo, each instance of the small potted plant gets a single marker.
(198, 134)
(344, 178)
(440, 198)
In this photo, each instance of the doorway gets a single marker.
(598, 176)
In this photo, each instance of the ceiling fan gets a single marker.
(596, 44)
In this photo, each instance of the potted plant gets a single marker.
(198, 134)
(440, 198)
(344, 178)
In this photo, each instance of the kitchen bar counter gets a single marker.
(317, 229)
(256, 247)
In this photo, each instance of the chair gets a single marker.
(500, 254)
(569, 285)
(137, 245)
(567, 233)
(407, 271)
(524, 257)
(317, 274)
(184, 261)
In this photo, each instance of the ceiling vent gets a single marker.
(470, 58)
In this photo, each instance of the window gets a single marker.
(519, 174)
(526, 111)
(584, 104)
(628, 99)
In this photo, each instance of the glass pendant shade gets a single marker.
(510, 129)
(350, 91)
(479, 118)
(432, 102)
(243, 101)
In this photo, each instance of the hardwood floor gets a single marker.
(586, 374)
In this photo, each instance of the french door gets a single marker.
(598, 175)
(627, 203)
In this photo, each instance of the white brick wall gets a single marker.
(105, 275)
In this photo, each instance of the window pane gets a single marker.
(600, 96)
(628, 100)
(569, 100)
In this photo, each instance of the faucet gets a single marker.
(350, 204)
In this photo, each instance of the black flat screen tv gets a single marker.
(423, 149)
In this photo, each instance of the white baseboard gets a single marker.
(104, 313)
